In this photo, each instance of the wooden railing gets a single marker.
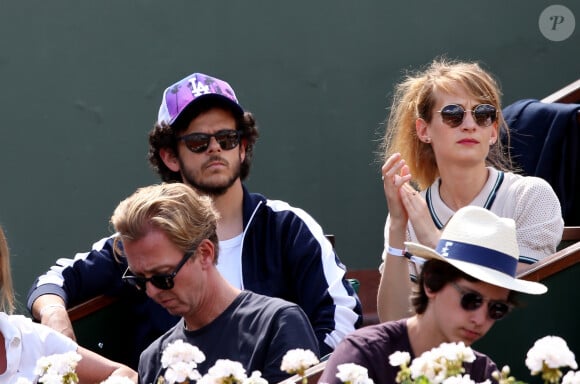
(90, 306)
(568, 94)
(557, 262)
(571, 234)
(369, 286)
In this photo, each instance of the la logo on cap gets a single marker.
(198, 88)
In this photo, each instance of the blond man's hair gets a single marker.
(175, 208)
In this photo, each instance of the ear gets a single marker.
(494, 133)
(421, 128)
(206, 253)
(429, 292)
(169, 159)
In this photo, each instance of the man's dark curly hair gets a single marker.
(434, 275)
(165, 136)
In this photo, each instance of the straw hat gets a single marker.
(483, 245)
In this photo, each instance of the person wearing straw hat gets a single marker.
(466, 283)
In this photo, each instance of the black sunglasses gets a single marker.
(471, 300)
(163, 281)
(483, 114)
(199, 142)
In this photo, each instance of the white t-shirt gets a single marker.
(25, 343)
(230, 260)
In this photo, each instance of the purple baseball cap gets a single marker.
(179, 96)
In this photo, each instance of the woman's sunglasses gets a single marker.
(470, 301)
(162, 281)
(199, 142)
(483, 114)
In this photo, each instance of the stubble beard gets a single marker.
(211, 189)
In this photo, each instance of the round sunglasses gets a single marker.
(483, 114)
(471, 300)
(199, 142)
(161, 281)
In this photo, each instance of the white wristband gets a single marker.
(48, 307)
(417, 260)
(396, 251)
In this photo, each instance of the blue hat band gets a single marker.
(475, 254)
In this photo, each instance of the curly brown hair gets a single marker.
(164, 136)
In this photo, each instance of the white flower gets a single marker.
(58, 368)
(442, 362)
(255, 378)
(180, 351)
(456, 351)
(22, 380)
(298, 360)
(552, 351)
(425, 365)
(353, 374)
(180, 360)
(117, 380)
(571, 378)
(179, 372)
(399, 358)
(225, 371)
(228, 368)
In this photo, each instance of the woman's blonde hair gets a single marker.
(414, 98)
(7, 291)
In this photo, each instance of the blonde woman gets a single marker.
(23, 342)
(442, 152)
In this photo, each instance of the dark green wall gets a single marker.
(82, 80)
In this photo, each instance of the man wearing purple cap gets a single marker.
(205, 139)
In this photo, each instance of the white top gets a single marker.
(25, 343)
(230, 260)
(529, 200)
